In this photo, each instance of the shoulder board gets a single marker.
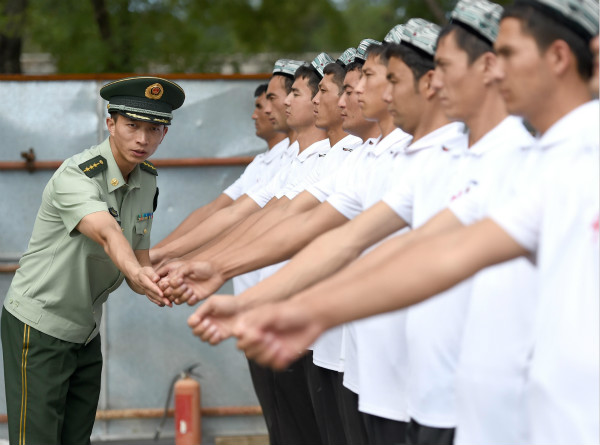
(149, 167)
(94, 166)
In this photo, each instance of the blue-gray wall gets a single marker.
(144, 346)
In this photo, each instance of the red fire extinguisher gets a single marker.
(188, 425)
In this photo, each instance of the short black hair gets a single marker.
(312, 78)
(338, 74)
(546, 28)
(356, 65)
(375, 50)
(288, 81)
(466, 40)
(418, 61)
(260, 90)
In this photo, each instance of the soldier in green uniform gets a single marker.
(92, 231)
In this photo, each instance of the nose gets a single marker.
(436, 80)
(360, 87)
(342, 101)
(143, 136)
(288, 100)
(316, 99)
(498, 69)
(387, 93)
(255, 114)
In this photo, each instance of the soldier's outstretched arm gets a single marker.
(102, 228)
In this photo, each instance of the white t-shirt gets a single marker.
(347, 193)
(329, 349)
(258, 173)
(262, 168)
(489, 389)
(263, 193)
(307, 167)
(331, 162)
(556, 218)
(382, 344)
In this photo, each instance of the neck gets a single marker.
(565, 99)
(275, 139)
(369, 131)
(308, 136)
(386, 125)
(336, 134)
(486, 117)
(292, 135)
(433, 118)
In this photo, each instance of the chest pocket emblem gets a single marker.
(113, 212)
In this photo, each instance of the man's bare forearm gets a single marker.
(195, 218)
(210, 228)
(422, 270)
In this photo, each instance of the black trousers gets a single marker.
(263, 381)
(323, 392)
(354, 428)
(418, 434)
(382, 431)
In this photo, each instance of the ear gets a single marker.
(489, 63)
(426, 85)
(164, 133)
(110, 124)
(560, 58)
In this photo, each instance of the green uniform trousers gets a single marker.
(52, 386)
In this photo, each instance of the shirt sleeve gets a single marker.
(401, 199)
(521, 217)
(246, 180)
(75, 196)
(263, 194)
(467, 207)
(328, 182)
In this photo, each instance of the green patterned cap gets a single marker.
(580, 15)
(395, 34)
(147, 99)
(320, 62)
(420, 34)
(480, 17)
(347, 57)
(287, 67)
(363, 47)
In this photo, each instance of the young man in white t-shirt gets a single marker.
(260, 171)
(543, 76)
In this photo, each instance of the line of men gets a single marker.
(443, 282)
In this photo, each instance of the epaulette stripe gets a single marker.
(149, 167)
(94, 166)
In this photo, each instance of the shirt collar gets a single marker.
(349, 141)
(509, 132)
(276, 151)
(394, 141)
(114, 178)
(577, 123)
(321, 146)
(450, 137)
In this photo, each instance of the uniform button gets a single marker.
(145, 230)
(122, 229)
(11, 301)
(114, 182)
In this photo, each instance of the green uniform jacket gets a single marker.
(65, 277)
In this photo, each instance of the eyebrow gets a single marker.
(295, 90)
